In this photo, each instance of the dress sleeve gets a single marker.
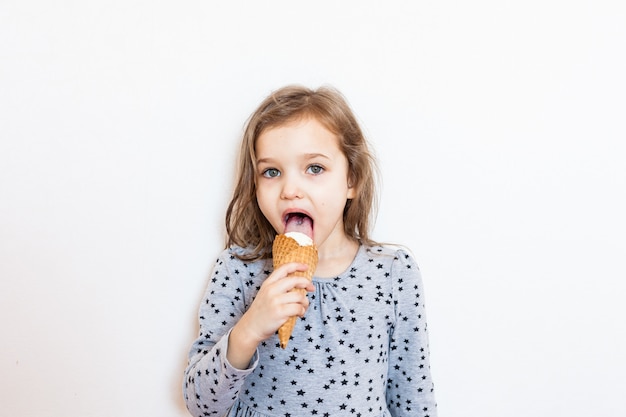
(410, 389)
(211, 383)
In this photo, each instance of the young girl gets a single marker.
(360, 346)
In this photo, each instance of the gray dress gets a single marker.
(361, 349)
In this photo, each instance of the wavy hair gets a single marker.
(246, 226)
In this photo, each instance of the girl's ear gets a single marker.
(351, 189)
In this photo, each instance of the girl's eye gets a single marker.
(271, 173)
(315, 169)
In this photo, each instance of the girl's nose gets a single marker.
(291, 189)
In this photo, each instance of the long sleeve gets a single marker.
(410, 389)
(362, 347)
(211, 384)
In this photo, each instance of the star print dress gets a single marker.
(361, 350)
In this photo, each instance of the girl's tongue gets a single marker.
(299, 223)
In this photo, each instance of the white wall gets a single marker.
(500, 131)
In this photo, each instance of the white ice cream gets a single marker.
(301, 238)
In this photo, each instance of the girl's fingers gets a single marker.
(276, 301)
(295, 297)
(284, 270)
(294, 304)
(281, 282)
(272, 307)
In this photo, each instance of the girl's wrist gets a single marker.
(242, 345)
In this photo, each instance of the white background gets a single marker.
(500, 131)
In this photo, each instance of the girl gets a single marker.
(360, 347)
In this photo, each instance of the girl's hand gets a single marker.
(272, 306)
(274, 303)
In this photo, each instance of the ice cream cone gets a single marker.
(286, 249)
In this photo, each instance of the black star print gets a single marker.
(360, 325)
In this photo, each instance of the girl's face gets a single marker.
(300, 169)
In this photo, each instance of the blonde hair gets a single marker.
(246, 226)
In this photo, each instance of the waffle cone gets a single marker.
(286, 250)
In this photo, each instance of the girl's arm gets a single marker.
(272, 306)
(211, 382)
(241, 307)
(410, 389)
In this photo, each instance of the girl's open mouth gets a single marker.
(299, 222)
